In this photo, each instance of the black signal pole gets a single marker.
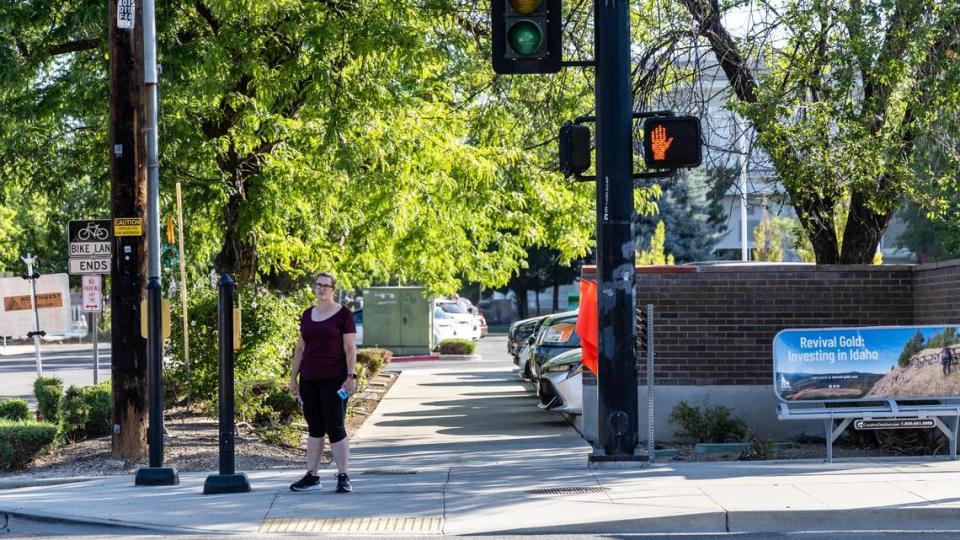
(617, 381)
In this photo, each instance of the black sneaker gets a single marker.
(307, 483)
(343, 484)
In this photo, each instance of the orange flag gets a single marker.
(587, 323)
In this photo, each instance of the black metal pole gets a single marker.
(228, 481)
(617, 382)
(155, 359)
(156, 474)
(225, 316)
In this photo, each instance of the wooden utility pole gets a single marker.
(128, 200)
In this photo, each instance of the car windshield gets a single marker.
(439, 314)
(451, 307)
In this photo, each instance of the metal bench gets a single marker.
(887, 410)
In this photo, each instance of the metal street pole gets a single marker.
(156, 474)
(616, 299)
(29, 260)
(744, 224)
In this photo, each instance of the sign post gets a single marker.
(29, 260)
(92, 302)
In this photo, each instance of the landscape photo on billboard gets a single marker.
(867, 363)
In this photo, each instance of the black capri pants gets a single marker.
(322, 407)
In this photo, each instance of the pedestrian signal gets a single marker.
(672, 142)
(526, 36)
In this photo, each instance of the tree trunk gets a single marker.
(865, 228)
(521, 303)
(238, 255)
(128, 186)
(556, 286)
(816, 217)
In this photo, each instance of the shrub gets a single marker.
(714, 425)
(456, 346)
(73, 415)
(268, 335)
(266, 403)
(14, 409)
(21, 442)
(48, 391)
(85, 412)
(374, 359)
(99, 401)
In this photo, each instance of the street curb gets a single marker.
(18, 483)
(416, 358)
(10, 520)
(863, 520)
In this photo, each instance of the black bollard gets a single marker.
(156, 474)
(228, 481)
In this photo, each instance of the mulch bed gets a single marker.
(192, 443)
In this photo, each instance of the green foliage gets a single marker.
(48, 391)
(373, 359)
(947, 338)
(912, 347)
(21, 442)
(85, 412)
(14, 409)
(456, 346)
(269, 333)
(759, 448)
(769, 237)
(693, 216)
(656, 254)
(714, 425)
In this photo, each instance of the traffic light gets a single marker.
(574, 149)
(672, 142)
(526, 36)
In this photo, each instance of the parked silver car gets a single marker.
(561, 380)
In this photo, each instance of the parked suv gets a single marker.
(557, 335)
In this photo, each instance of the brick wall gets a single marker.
(715, 325)
(936, 293)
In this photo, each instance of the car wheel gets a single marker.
(527, 375)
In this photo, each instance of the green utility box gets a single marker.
(399, 319)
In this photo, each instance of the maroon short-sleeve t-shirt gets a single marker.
(323, 355)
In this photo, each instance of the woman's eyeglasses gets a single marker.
(322, 286)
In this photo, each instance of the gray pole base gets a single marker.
(157, 476)
(217, 484)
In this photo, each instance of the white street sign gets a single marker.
(90, 249)
(92, 293)
(125, 14)
(89, 266)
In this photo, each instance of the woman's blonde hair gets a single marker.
(333, 280)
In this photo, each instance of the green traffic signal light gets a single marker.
(525, 38)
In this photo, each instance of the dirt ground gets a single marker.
(192, 443)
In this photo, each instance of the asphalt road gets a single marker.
(72, 363)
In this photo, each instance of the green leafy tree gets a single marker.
(656, 253)
(843, 96)
(912, 347)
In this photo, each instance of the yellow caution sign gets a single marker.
(128, 227)
(236, 328)
(164, 318)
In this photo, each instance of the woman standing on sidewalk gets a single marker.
(325, 359)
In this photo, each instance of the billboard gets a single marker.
(53, 305)
(872, 363)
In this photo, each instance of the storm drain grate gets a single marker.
(567, 490)
(388, 472)
(384, 525)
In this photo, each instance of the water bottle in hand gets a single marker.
(343, 393)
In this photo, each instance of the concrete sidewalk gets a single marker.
(462, 449)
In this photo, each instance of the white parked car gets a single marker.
(563, 375)
(467, 326)
(444, 326)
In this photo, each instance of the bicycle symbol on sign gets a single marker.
(93, 231)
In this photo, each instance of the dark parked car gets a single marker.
(557, 335)
(518, 334)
